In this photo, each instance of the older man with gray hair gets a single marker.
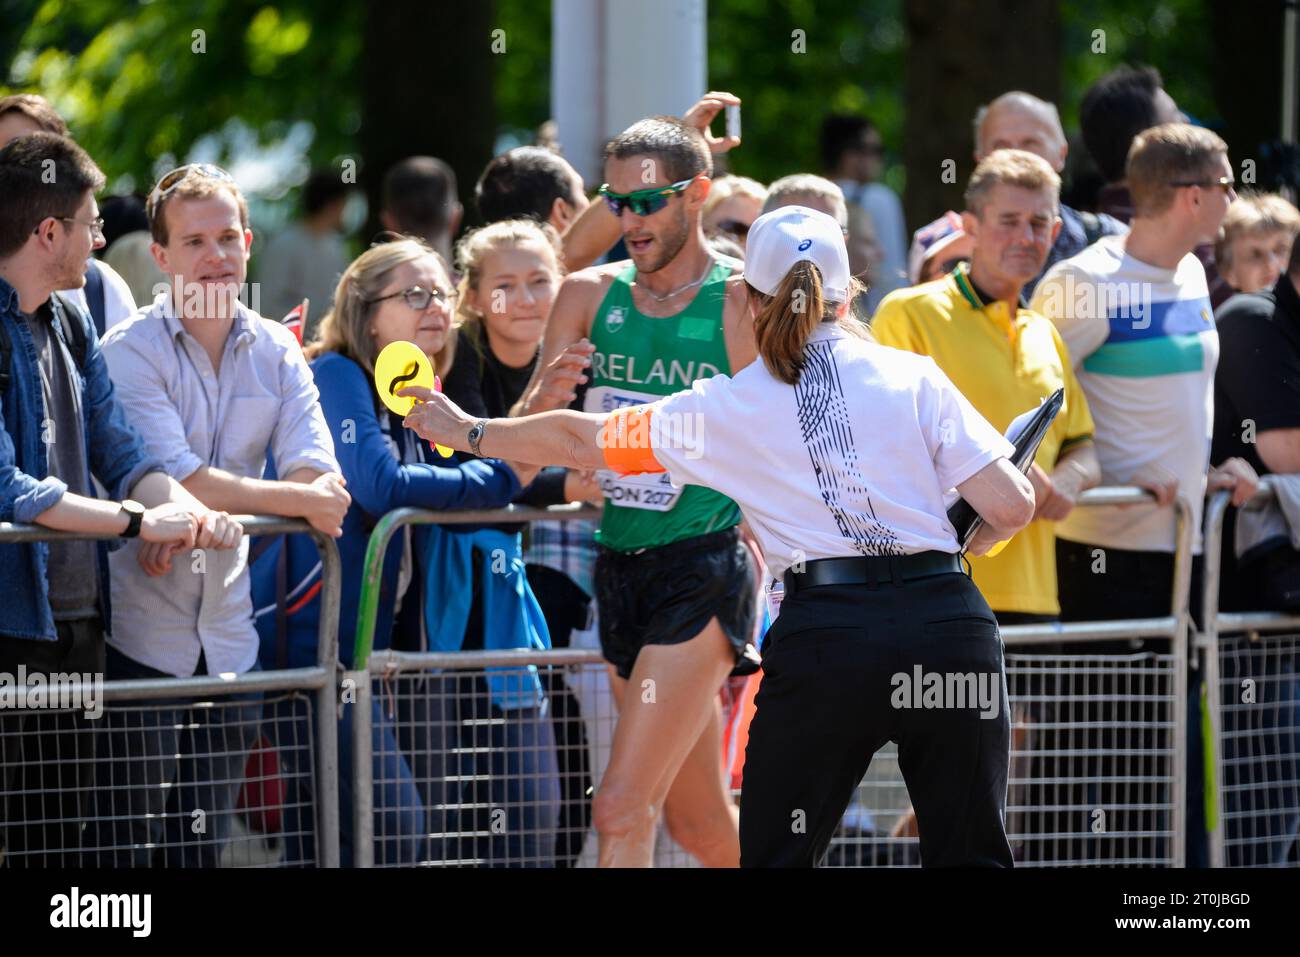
(808, 189)
(1022, 121)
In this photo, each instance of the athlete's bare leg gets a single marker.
(665, 706)
(698, 809)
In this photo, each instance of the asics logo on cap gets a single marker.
(805, 244)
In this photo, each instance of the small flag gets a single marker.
(296, 319)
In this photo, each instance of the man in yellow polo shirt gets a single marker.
(1006, 359)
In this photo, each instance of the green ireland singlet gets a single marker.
(638, 359)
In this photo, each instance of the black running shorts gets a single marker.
(667, 595)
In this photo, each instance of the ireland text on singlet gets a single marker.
(639, 358)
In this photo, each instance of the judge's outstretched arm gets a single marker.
(561, 437)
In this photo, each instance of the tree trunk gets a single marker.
(961, 54)
(427, 75)
(1247, 72)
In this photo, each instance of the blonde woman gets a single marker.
(394, 291)
(510, 271)
(1254, 245)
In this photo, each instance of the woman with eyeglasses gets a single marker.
(393, 292)
(839, 452)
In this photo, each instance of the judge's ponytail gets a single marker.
(787, 319)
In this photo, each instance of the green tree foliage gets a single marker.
(142, 82)
(1172, 35)
(127, 76)
(523, 78)
(794, 61)
(852, 60)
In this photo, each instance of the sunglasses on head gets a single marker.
(643, 202)
(173, 179)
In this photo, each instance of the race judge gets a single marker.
(839, 452)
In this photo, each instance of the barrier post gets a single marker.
(1250, 624)
(362, 770)
(367, 617)
(1215, 509)
(327, 703)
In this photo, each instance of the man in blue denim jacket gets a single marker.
(59, 426)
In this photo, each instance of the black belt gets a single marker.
(871, 570)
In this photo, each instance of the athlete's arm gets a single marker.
(569, 323)
(590, 236)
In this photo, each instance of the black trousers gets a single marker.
(47, 758)
(832, 696)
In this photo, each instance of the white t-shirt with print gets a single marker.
(1144, 344)
(854, 460)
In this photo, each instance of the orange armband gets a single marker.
(625, 441)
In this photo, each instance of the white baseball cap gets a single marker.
(789, 234)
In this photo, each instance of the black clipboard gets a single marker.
(963, 518)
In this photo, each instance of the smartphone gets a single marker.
(733, 121)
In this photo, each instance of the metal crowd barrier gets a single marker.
(1098, 757)
(1252, 672)
(146, 809)
(441, 745)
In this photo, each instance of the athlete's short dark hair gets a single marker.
(680, 148)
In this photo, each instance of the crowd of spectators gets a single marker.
(156, 404)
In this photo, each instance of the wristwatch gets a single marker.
(135, 515)
(476, 436)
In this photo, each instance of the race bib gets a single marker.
(607, 398)
(651, 491)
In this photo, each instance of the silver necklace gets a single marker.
(664, 298)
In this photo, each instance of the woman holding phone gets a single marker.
(839, 452)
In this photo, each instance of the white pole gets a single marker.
(1290, 68)
(615, 61)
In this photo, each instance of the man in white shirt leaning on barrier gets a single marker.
(213, 387)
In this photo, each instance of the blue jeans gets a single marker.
(399, 822)
(1261, 741)
(489, 776)
(169, 775)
